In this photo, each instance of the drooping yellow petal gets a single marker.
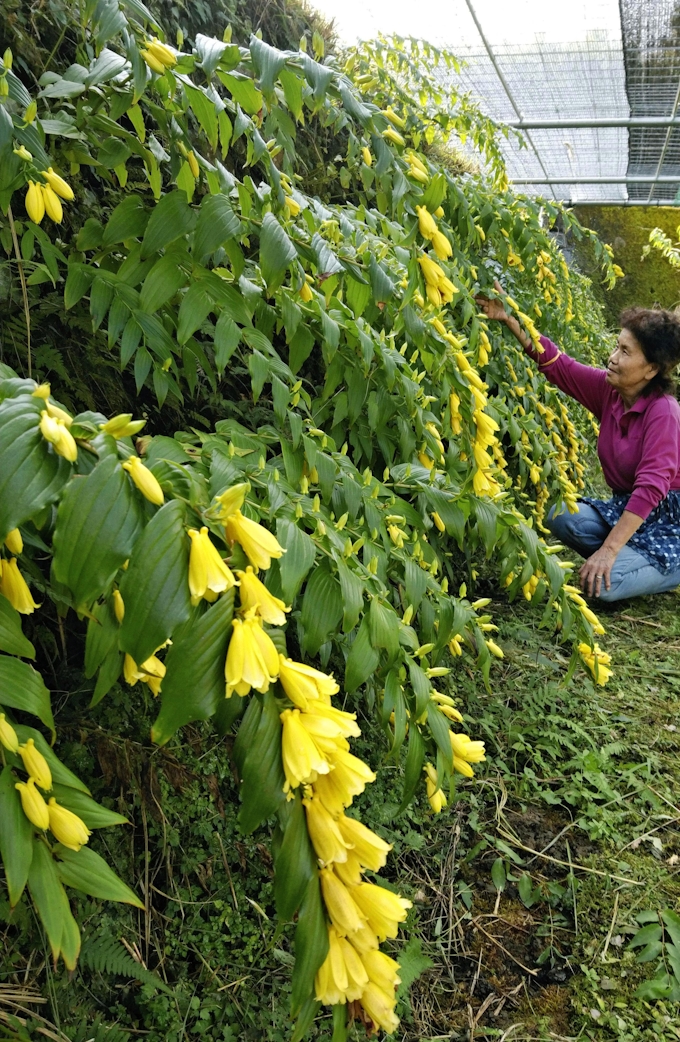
(233, 669)
(302, 760)
(8, 736)
(380, 1008)
(331, 981)
(259, 545)
(427, 225)
(56, 432)
(383, 971)
(253, 594)
(13, 586)
(370, 849)
(34, 202)
(348, 779)
(53, 207)
(14, 542)
(58, 185)
(324, 833)
(35, 764)
(382, 909)
(344, 913)
(230, 501)
(207, 570)
(33, 804)
(146, 482)
(66, 827)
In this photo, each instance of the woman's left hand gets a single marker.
(596, 570)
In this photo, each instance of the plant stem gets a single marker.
(24, 292)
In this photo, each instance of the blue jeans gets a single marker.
(632, 575)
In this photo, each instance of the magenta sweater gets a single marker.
(639, 448)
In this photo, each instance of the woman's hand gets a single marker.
(493, 309)
(596, 569)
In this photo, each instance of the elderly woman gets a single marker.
(631, 542)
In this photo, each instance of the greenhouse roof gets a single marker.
(594, 87)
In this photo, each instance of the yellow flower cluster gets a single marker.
(416, 168)
(13, 586)
(66, 827)
(597, 661)
(439, 289)
(429, 230)
(46, 199)
(157, 56)
(55, 430)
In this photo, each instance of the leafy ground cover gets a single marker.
(528, 890)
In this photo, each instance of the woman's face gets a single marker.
(628, 370)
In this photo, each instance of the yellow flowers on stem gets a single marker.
(157, 56)
(259, 545)
(144, 480)
(252, 658)
(66, 827)
(13, 586)
(57, 433)
(597, 662)
(208, 574)
(8, 736)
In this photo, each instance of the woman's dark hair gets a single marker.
(658, 334)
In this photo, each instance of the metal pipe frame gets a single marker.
(620, 202)
(504, 82)
(665, 144)
(627, 179)
(595, 123)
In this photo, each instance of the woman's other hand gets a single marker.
(491, 307)
(597, 570)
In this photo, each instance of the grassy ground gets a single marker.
(531, 887)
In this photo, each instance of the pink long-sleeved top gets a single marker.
(639, 448)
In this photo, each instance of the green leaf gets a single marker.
(22, 687)
(415, 758)
(12, 639)
(321, 608)
(311, 945)
(217, 223)
(294, 861)
(297, 560)
(276, 251)
(155, 588)
(262, 777)
(195, 307)
(243, 91)
(16, 837)
(363, 659)
(31, 473)
(60, 773)
(384, 627)
(672, 923)
(98, 521)
(78, 281)
(352, 590)
(102, 636)
(268, 62)
(88, 872)
(194, 686)
(93, 814)
(128, 221)
(52, 905)
(653, 932)
(498, 877)
(205, 111)
(109, 671)
(164, 280)
(171, 217)
(439, 729)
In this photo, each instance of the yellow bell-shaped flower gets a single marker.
(33, 804)
(145, 481)
(380, 1008)
(8, 736)
(426, 222)
(331, 982)
(34, 202)
(302, 759)
(53, 207)
(254, 595)
(259, 545)
(14, 542)
(435, 794)
(348, 779)
(381, 970)
(13, 586)
(305, 685)
(230, 501)
(382, 909)
(368, 847)
(207, 570)
(344, 913)
(324, 833)
(442, 247)
(35, 764)
(122, 426)
(66, 827)
(58, 434)
(252, 658)
(58, 185)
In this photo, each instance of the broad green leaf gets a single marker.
(102, 636)
(276, 251)
(22, 687)
(171, 217)
(205, 112)
(293, 86)
(60, 773)
(352, 590)
(294, 860)
(440, 731)
(243, 91)
(164, 280)
(217, 223)
(16, 837)
(194, 685)
(46, 891)
(109, 672)
(78, 282)
(268, 62)
(86, 871)
(672, 923)
(262, 777)
(209, 51)
(321, 608)
(155, 588)
(498, 876)
(12, 639)
(227, 337)
(415, 758)
(384, 627)
(311, 945)
(297, 560)
(363, 659)
(93, 814)
(98, 521)
(649, 933)
(128, 221)
(195, 307)
(31, 473)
